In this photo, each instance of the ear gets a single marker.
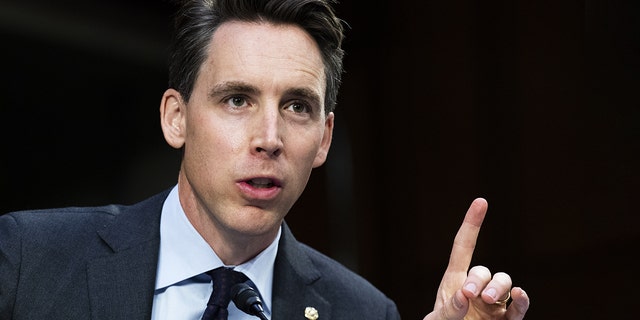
(172, 118)
(325, 144)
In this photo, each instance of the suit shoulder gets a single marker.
(43, 219)
(69, 222)
(68, 217)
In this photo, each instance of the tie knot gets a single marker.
(223, 279)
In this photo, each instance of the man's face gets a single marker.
(254, 126)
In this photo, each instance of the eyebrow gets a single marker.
(232, 87)
(304, 93)
(235, 87)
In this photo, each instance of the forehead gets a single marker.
(266, 53)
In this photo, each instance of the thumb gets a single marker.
(455, 308)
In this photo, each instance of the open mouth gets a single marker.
(262, 183)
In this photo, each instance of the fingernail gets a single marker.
(471, 287)
(491, 292)
(456, 303)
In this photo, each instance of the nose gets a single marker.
(267, 132)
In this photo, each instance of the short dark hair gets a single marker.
(197, 20)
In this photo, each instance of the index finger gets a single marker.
(465, 240)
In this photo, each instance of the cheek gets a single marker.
(207, 132)
(307, 148)
(206, 145)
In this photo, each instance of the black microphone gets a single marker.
(247, 300)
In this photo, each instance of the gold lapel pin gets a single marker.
(311, 313)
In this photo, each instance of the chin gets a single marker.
(257, 224)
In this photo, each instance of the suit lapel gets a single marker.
(121, 285)
(294, 275)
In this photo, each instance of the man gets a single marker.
(252, 88)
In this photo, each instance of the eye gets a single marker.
(298, 107)
(237, 102)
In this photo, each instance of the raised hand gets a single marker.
(474, 294)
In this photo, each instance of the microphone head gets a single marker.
(246, 299)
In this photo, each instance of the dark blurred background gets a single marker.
(531, 104)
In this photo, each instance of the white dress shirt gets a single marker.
(182, 286)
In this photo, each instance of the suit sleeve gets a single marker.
(10, 242)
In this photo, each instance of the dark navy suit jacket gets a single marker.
(100, 263)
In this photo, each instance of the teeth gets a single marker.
(261, 183)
